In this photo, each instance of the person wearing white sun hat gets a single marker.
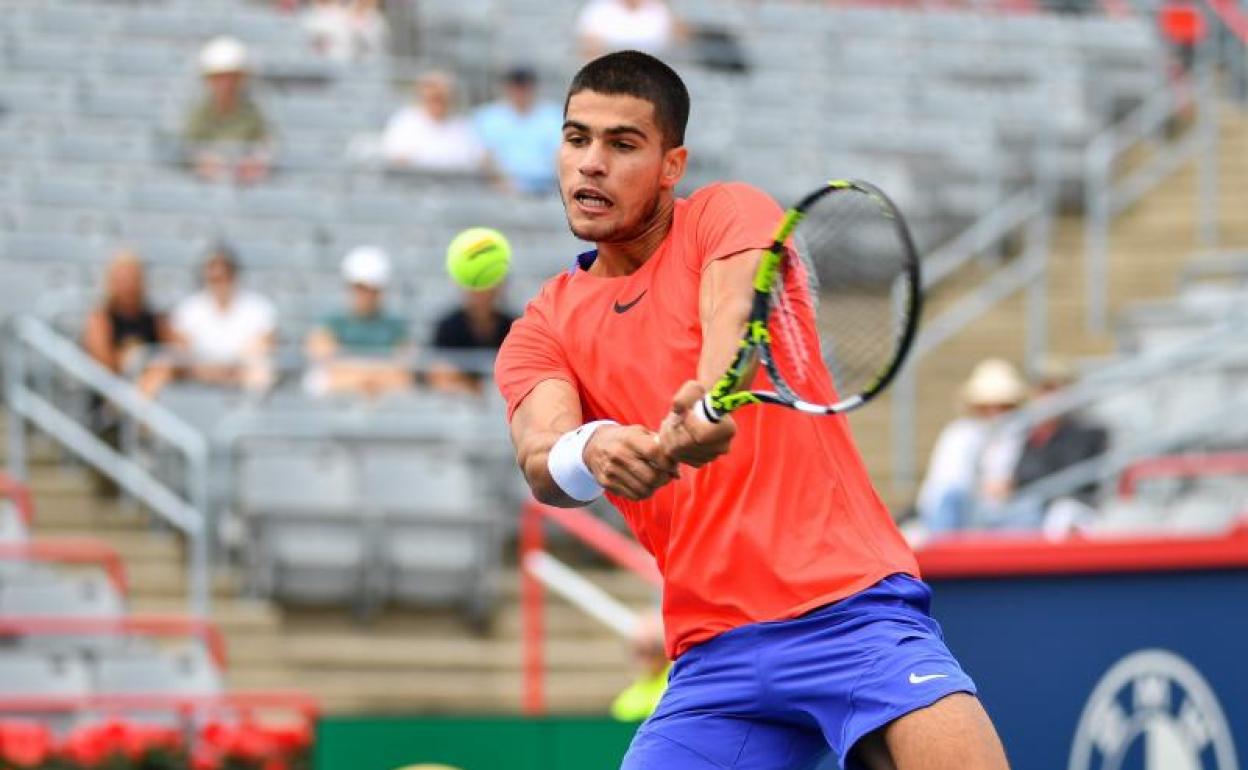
(968, 463)
(362, 349)
(226, 135)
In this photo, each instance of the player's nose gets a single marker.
(593, 161)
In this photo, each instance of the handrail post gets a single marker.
(199, 562)
(904, 425)
(1208, 215)
(531, 598)
(1096, 203)
(1036, 334)
(14, 379)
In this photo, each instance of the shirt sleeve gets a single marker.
(732, 218)
(529, 355)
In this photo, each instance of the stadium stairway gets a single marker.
(402, 661)
(1148, 246)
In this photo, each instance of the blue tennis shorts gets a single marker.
(795, 694)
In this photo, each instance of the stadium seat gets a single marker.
(88, 595)
(23, 672)
(147, 669)
(12, 528)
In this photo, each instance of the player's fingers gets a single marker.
(636, 478)
(686, 396)
(652, 452)
(717, 434)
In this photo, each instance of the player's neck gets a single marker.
(627, 257)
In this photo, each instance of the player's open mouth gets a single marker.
(590, 198)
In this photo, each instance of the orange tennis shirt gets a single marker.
(783, 523)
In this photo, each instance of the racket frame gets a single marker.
(731, 391)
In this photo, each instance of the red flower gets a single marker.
(25, 743)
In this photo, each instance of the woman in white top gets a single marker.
(225, 333)
(428, 135)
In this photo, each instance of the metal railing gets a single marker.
(33, 351)
(1223, 347)
(1107, 196)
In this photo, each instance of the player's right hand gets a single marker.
(627, 460)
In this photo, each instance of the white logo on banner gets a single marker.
(1153, 711)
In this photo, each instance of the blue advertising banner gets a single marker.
(1117, 670)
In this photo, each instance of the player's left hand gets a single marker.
(688, 437)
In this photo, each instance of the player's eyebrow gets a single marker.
(623, 128)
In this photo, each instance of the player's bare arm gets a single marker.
(723, 308)
(625, 459)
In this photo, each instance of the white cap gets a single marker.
(368, 266)
(993, 382)
(222, 55)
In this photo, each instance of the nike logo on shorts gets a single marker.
(627, 307)
(916, 679)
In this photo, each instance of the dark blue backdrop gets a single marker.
(1037, 646)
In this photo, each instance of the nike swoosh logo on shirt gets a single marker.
(625, 308)
(916, 679)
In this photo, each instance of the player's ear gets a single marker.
(675, 161)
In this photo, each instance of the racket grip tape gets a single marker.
(707, 410)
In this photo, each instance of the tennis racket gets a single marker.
(837, 298)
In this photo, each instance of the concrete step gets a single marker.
(360, 653)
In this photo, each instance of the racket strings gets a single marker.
(853, 266)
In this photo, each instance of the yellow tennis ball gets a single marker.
(478, 258)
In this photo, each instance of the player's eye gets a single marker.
(576, 140)
(623, 146)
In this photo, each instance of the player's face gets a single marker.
(613, 166)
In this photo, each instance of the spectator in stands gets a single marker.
(428, 135)
(117, 331)
(226, 135)
(1053, 446)
(609, 25)
(346, 30)
(124, 323)
(474, 331)
(521, 134)
(363, 350)
(225, 334)
(970, 465)
(639, 700)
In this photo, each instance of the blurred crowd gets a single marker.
(225, 335)
(510, 141)
(982, 463)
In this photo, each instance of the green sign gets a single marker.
(497, 743)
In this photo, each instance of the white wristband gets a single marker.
(566, 463)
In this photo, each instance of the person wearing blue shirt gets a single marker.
(521, 134)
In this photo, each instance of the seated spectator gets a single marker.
(116, 333)
(604, 26)
(521, 134)
(427, 135)
(346, 30)
(970, 466)
(224, 333)
(478, 326)
(124, 323)
(1053, 446)
(225, 134)
(639, 700)
(364, 349)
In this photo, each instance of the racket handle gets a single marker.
(708, 411)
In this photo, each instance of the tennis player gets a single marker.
(793, 607)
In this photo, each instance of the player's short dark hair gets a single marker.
(638, 74)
